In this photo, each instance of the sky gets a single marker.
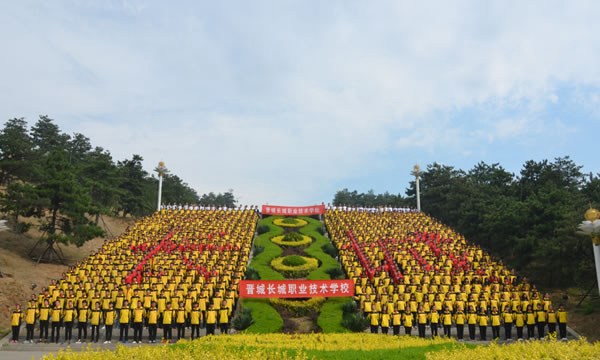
(287, 102)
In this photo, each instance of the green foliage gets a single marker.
(221, 199)
(303, 307)
(355, 322)
(267, 318)
(331, 315)
(330, 250)
(289, 220)
(262, 262)
(336, 273)
(294, 260)
(243, 319)
(261, 229)
(370, 199)
(328, 263)
(349, 307)
(295, 271)
(292, 236)
(251, 274)
(529, 220)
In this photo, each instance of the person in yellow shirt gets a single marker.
(496, 322)
(110, 316)
(224, 318)
(434, 320)
(374, 322)
(31, 315)
(408, 321)
(561, 315)
(195, 317)
(446, 319)
(422, 319)
(83, 314)
(530, 321)
(69, 315)
(385, 320)
(124, 320)
(95, 318)
(138, 315)
(15, 322)
(541, 318)
(180, 320)
(519, 323)
(211, 320)
(396, 321)
(483, 322)
(152, 316)
(56, 316)
(508, 320)
(460, 319)
(167, 322)
(44, 316)
(551, 320)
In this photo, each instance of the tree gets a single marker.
(16, 153)
(104, 191)
(136, 187)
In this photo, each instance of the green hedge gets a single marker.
(331, 315)
(262, 262)
(266, 319)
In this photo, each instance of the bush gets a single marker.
(303, 240)
(299, 307)
(252, 274)
(243, 319)
(355, 322)
(258, 249)
(330, 250)
(294, 260)
(292, 236)
(336, 273)
(295, 272)
(261, 229)
(349, 307)
(290, 222)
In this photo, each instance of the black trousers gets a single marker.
(224, 328)
(152, 332)
(180, 330)
(530, 331)
(407, 330)
(44, 324)
(460, 331)
(195, 330)
(541, 326)
(472, 331)
(507, 330)
(551, 328)
(496, 332)
(108, 333)
(95, 333)
(519, 332)
(385, 330)
(434, 329)
(124, 332)
(482, 332)
(447, 329)
(68, 330)
(562, 329)
(396, 329)
(168, 332)
(210, 329)
(29, 331)
(374, 329)
(138, 328)
(421, 328)
(82, 329)
(56, 325)
(15, 333)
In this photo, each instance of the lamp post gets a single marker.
(591, 228)
(161, 169)
(416, 172)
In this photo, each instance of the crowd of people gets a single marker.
(411, 272)
(175, 270)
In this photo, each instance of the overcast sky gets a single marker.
(286, 102)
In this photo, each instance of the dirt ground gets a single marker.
(20, 272)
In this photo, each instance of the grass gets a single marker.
(261, 262)
(331, 315)
(411, 353)
(266, 318)
(315, 250)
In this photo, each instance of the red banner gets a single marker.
(293, 210)
(295, 288)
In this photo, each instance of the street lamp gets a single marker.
(591, 228)
(417, 174)
(161, 169)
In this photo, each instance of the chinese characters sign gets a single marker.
(293, 210)
(295, 288)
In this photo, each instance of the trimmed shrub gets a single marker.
(336, 273)
(303, 240)
(299, 307)
(290, 222)
(330, 250)
(243, 319)
(252, 274)
(295, 272)
(294, 260)
(261, 229)
(355, 322)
